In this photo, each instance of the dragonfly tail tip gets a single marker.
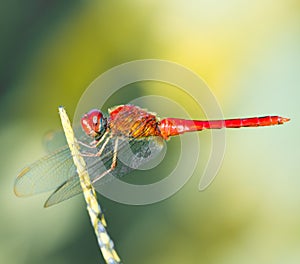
(284, 120)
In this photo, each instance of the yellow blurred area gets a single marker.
(247, 53)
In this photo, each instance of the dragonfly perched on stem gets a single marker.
(128, 138)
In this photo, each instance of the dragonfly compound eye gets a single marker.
(93, 123)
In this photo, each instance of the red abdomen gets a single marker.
(174, 126)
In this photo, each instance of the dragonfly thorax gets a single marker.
(94, 124)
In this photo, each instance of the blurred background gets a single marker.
(247, 52)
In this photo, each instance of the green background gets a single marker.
(247, 52)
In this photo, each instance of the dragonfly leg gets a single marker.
(98, 154)
(102, 138)
(102, 147)
(94, 143)
(112, 166)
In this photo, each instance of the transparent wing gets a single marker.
(49, 172)
(45, 174)
(57, 171)
(131, 155)
(66, 191)
(56, 139)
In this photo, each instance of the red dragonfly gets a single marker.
(127, 125)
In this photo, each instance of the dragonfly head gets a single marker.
(94, 124)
